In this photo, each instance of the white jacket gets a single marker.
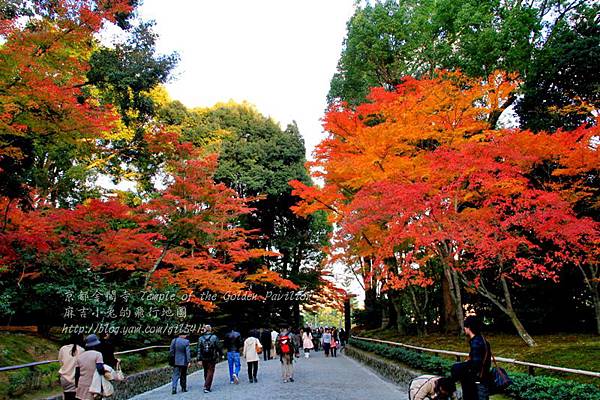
(102, 386)
(250, 346)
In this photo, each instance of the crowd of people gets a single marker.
(85, 372)
(285, 343)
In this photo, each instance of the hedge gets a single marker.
(524, 387)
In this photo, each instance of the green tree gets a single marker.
(258, 159)
(387, 40)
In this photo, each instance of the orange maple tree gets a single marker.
(417, 174)
(43, 66)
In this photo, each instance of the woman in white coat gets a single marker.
(252, 348)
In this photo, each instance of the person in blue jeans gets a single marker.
(180, 358)
(233, 344)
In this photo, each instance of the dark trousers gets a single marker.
(69, 396)
(252, 369)
(326, 347)
(334, 351)
(209, 372)
(267, 354)
(179, 374)
(470, 389)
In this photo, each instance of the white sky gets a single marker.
(279, 55)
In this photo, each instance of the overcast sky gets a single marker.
(277, 54)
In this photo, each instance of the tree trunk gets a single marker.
(373, 312)
(156, 264)
(596, 299)
(521, 329)
(397, 303)
(593, 284)
(510, 311)
(385, 315)
(448, 320)
(460, 313)
(457, 314)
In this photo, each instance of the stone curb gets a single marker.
(397, 373)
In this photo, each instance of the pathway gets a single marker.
(318, 377)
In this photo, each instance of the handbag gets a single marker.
(500, 379)
(258, 347)
(118, 374)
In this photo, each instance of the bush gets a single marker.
(27, 380)
(524, 387)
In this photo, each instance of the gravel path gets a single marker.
(315, 378)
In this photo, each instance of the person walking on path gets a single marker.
(474, 374)
(209, 352)
(274, 334)
(343, 339)
(334, 344)
(286, 351)
(431, 387)
(307, 342)
(266, 341)
(233, 344)
(252, 349)
(86, 364)
(67, 356)
(107, 348)
(326, 341)
(180, 356)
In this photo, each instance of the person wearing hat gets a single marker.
(180, 355)
(86, 365)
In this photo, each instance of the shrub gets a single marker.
(524, 387)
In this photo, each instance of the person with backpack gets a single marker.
(180, 359)
(431, 387)
(252, 349)
(475, 373)
(286, 350)
(209, 352)
(233, 344)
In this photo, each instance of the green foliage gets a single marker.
(525, 387)
(552, 45)
(31, 379)
(257, 159)
(564, 75)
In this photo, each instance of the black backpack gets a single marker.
(207, 349)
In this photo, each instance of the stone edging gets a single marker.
(142, 382)
(397, 373)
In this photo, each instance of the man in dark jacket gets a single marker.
(474, 374)
(179, 353)
(265, 340)
(209, 352)
(233, 343)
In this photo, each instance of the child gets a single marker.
(431, 387)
